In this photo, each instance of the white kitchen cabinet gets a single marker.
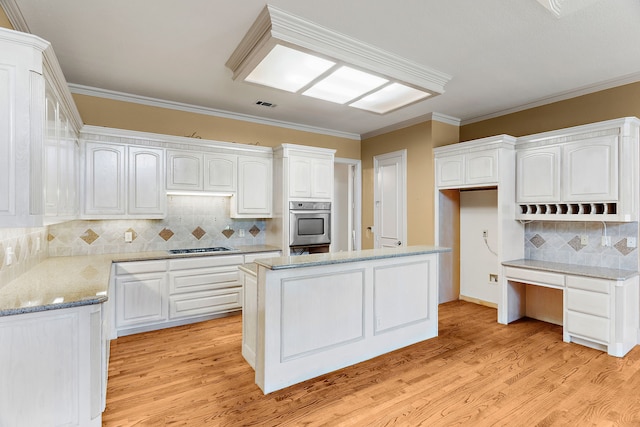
(469, 164)
(159, 294)
(193, 171)
(27, 157)
(310, 177)
(52, 368)
(60, 162)
(255, 188)
(141, 299)
(104, 179)
(586, 173)
(590, 170)
(538, 175)
(146, 192)
(123, 181)
(220, 172)
(184, 170)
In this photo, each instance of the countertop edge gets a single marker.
(315, 260)
(572, 269)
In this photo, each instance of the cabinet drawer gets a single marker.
(204, 262)
(588, 284)
(588, 302)
(137, 267)
(587, 326)
(542, 278)
(203, 279)
(201, 303)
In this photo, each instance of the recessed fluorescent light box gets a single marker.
(289, 53)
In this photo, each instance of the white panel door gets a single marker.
(322, 178)
(146, 181)
(299, 177)
(105, 179)
(538, 175)
(590, 170)
(220, 172)
(184, 170)
(390, 199)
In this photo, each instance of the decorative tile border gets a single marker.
(191, 222)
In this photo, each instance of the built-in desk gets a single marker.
(599, 305)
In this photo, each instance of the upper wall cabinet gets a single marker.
(123, 181)
(309, 172)
(254, 198)
(470, 164)
(38, 128)
(584, 173)
(194, 171)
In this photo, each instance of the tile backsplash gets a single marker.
(561, 241)
(24, 242)
(191, 222)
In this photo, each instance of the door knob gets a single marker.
(399, 243)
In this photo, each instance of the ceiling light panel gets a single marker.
(344, 85)
(389, 98)
(288, 69)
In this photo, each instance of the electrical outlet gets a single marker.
(584, 240)
(8, 256)
(128, 236)
(631, 242)
(606, 240)
(241, 232)
(485, 233)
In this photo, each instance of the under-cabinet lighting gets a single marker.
(290, 53)
(198, 193)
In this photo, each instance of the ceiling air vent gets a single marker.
(265, 104)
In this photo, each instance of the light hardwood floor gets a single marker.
(476, 373)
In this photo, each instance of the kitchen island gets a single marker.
(308, 315)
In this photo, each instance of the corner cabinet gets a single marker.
(586, 173)
(123, 181)
(255, 188)
(38, 125)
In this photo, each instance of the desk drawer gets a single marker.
(588, 302)
(587, 326)
(589, 284)
(536, 277)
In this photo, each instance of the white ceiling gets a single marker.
(502, 55)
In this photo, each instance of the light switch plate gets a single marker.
(128, 236)
(631, 242)
(584, 240)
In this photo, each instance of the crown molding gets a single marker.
(436, 117)
(172, 105)
(584, 90)
(15, 16)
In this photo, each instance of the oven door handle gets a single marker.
(306, 212)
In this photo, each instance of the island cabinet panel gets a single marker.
(314, 320)
(393, 285)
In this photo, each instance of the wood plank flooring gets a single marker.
(476, 372)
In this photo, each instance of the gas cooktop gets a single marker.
(200, 250)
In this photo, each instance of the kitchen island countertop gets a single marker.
(314, 260)
(63, 282)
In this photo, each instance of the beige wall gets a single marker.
(419, 141)
(621, 101)
(126, 115)
(4, 21)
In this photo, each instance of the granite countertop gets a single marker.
(315, 260)
(250, 268)
(573, 269)
(63, 282)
